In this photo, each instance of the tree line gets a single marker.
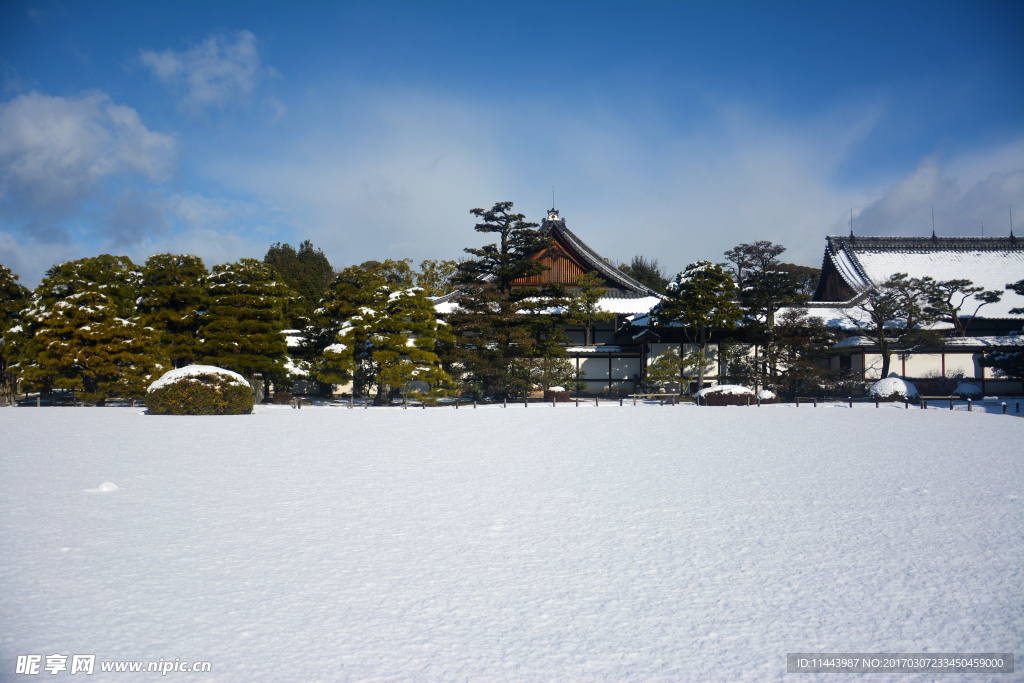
(105, 327)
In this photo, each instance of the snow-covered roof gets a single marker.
(621, 303)
(189, 371)
(593, 349)
(989, 262)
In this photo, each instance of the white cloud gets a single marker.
(220, 71)
(56, 153)
(966, 192)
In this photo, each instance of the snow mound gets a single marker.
(965, 389)
(557, 389)
(105, 487)
(893, 386)
(726, 389)
(765, 395)
(189, 371)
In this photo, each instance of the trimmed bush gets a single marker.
(283, 398)
(726, 395)
(893, 389)
(200, 390)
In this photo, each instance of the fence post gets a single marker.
(504, 403)
(968, 405)
(1004, 407)
(474, 404)
(797, 401)
(577, 401)
(923, 404)
(850, 399)
(620, 401)
(405, 403)
(951, 404)
(352, 401)
(526, 403)
(758, 401)
(634, 402)
(39, 403)
(596, 404)
(661, 401)
(906, 403)
(815, 399)
(456, 403)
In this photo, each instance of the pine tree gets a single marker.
(171, 294)
(495, 337)
(584, 308)
(646, 272)
(241, 322)
(376, 329)
(82, 333)
(700, 300)
(14, 300)
(115, 276)
(893, 312)
(307, 272)
(80, 344)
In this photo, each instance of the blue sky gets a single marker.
(673, 130)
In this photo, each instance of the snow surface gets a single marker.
(189, 371)
(510, 544)
(893, 386)
(725, 389)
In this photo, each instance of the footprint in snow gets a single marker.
(105, 487)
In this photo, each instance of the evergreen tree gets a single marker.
(584, 308)
(82, 332)
(171, 295)
(646, 272)
(14, 300)
(508, 260)
(946, 298)
(376, 329)
(241, 322)
(307, 272)
(893, 313)
(115, 276)
(699, 300)
(496, 335)
(1009, 363)
(80, 344)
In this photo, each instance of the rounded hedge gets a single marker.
(200, 390)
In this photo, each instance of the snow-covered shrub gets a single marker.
(726, 395)
(964, 389)
(556, 394)
(893, 389)
(200, 390)
(766, 396)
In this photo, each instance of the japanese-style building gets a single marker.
(613, 362)
(854, 265)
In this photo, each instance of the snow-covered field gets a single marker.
(634, 543)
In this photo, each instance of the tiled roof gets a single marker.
(556, 224)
